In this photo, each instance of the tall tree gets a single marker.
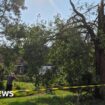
(95, 30)
(9, 28)
(35, 49)
(68, 53)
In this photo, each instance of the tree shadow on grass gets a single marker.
(54, 100)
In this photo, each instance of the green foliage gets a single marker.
(9, 15)
(35, 49)
(9, 12)
(45, 99)
(69, 52)
(1, 67)
(23, 86)
(49, 78)
(8, 55)
(16, 32)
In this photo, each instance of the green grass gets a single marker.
(22, 85)
(59, 98)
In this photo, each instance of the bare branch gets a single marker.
(91, 8)
(89, 29)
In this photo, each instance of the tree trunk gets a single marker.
(100, 53)
(97, 40)
(100, 68)
(100, 64)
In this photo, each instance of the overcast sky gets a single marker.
(48, 9)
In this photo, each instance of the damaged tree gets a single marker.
(98, 38)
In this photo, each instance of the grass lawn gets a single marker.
(58, 98)
(21, 85)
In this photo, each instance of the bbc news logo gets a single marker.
(6, 94)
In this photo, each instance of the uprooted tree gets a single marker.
(95, 31)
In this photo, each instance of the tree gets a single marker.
(95, 30)
(9, 17)
(35, 50)
(9, 12)
(68, 53)
(13, 48)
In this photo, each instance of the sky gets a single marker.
(47, 9)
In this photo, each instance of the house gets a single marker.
(45, 68)
(21, 66)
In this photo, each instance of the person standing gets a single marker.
(10, 79)
(1, 78)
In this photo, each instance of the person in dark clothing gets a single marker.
(10, 79)
(1, 79)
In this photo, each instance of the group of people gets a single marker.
(9, 82)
